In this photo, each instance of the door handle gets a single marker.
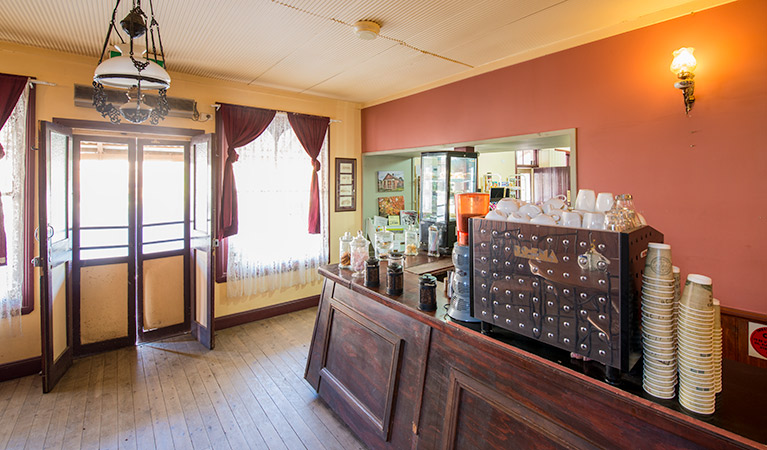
(37, 262)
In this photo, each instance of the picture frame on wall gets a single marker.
(391, 180)
(346, 182)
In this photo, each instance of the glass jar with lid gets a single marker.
(384, 242)
(345, 251)
(394, 275)
(359, 254)
(411, 241)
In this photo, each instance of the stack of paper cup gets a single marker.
(717, 347)
(695, 349)
(677, 289)
(658, 323)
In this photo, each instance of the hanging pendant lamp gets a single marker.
(137, 72)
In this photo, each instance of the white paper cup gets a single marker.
(659, 393)
(698, 293)
(658, 262)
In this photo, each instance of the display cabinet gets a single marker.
(444, 174)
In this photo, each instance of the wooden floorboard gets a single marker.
(248, 393)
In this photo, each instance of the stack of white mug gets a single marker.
(717, 346)
(658, 323)
(589, 211)
(695, 348)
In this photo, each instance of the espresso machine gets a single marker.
(573, 288)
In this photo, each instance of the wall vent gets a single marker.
(179, 107)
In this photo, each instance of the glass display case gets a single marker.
(444, 174)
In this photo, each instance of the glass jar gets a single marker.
(372, 274)
(428, 297)
(360, 253)
(411, 241)
(394, 275)
(624, 203)
(345, 251)
(384, 241)
(433, 240)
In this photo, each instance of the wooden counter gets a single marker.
(402, 378)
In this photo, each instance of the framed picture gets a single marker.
(390, 206)
(391, 180)
(346, 182)
(408, 218)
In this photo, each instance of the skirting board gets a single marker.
(252, 315)
(22, 368)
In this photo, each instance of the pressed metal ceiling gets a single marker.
(309, 45)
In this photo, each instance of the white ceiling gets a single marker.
(309, 45)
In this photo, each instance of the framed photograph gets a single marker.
(390, 206)
(393, 220)
(391, 180)
(346, 182)
(408, 218)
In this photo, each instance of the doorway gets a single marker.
(131, 241)
(121, 262)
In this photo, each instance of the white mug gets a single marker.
(605, 201)
(531, 210)
(496, 215)
(507, 205)
(571, 219)
(553, 204)
(586, 200)
(543, 219)
(556, 214)
(517, 216)
(594, 221)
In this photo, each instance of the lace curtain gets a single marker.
(12, 176)
(273, 248)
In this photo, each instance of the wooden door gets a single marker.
(55, 235)
(201, 242)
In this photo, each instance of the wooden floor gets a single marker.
(247, 393)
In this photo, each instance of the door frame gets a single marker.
(107, 130)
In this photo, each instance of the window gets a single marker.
(12, 195)
(273, 248)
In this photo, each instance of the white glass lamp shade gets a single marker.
(119, 72)
(684, 61)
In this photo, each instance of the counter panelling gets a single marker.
(402, 378)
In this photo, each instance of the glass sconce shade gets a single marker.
(684, 61)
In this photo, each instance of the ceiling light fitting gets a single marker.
(135, 74)
(366, 30)
(683, 66)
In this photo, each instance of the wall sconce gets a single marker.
(683, 67)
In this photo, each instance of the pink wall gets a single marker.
(701, 180)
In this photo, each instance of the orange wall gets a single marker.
(701, 180)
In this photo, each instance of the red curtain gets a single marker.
(311, 131)
(11, 88)
(241, 125)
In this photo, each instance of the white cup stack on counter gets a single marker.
(588, 212)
